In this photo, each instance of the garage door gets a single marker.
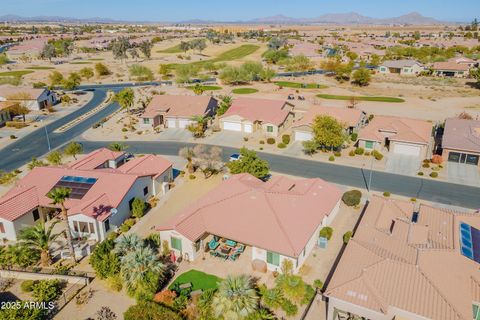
(247, 127)
(183, 123)
(171, 123)
(232, 126)
(303, 136)
(407, 149)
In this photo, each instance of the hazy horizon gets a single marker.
(156, 11)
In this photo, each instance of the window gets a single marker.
(368, 144)
(145, 191)
(383, 69)
(107, 225)
(146, 121)
(176, 243)
(2, 228)
(273, 258)
(36, 215)
(84, 227)
(269, 128)
(476, 312)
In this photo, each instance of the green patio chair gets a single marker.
(230, 243)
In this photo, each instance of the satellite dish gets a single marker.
(113, 211)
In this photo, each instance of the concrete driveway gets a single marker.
(463, 174)
(227, 138)
(294, 149)
(403, 164)
(175, 134)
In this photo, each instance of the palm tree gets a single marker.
(139, 266)
(236, 298)
(187, 153)
(125, 99)
(117, 146)
(59, 196)
(39, 238)
(128, 243)
(271, 298)
(262, 314)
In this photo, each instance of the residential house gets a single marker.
(353, 119)
(249, 115)
(406, 261)
(279, 219)
(4, 113)
(461, 141)
(402, 67)
(172, 111)
(34, 99)
(398, 135)
(103, 186)
(451, 69)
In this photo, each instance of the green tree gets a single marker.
(56, 78)
(475, 73)
(148, 310)
(138, 208)
(310, 147)
(72, 149)
(58, 197)
(267, 74)
(375, 60)
(86, 73)
(146, 48)
(271, 298)
(47, 290)
(184, 46)
(328, 132)
(275, 56)
(55, 157)
(298, 63)
(236, 298)
(204, 304)
(125, 99)
(276, 43)
(343, 71)
(48, 52)
(18, 255)
(185, 72)
(128, 243)
(120, 47)
(72, 81)
(234, 75)
(39, 237)
(362, 77)
(117, 146)
(104, 260)
(249, 162)
(101, 69)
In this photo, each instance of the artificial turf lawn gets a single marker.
(199, 280)
(205, 88)
(18, 73)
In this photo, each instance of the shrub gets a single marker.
(413, 199)
(367, 153)
(354, 136)
(337, 154)
(27, 285)
(166, 297)
(326, 232)
(13, 137)
(317, 283)
(271, 141)
(434, 174)
(124, 129)
(245, 139)
(420, 173)
(124, 228)
(16, 124)
(437, 159)
(281, 145)
(331, 158)
(386, 194)
(352, 153)
(378, 156)
(425, 165)
(286, 138)
(47, 290)
(352, 198)
(130, 222)
(138, 208)
(262, 142)
(150, 310)
(346, 236)
(289, 307)
(192, 177)
(115, 283)
(359, 151)
(39, 85)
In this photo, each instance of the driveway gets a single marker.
(175, 134)
(226, 138)
(403, 164)
(463, 174)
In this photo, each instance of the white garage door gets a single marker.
(171, 123)
(303, 136)
(232, 126)
(247, 127)
(183, 123)
(407, 149)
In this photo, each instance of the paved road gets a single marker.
(430, 190)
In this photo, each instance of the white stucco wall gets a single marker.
(188, 247)
(12, 228)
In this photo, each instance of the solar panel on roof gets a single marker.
(79, 186)
(470, 242)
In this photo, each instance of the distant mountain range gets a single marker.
(413, 18)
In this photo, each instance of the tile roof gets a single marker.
(462, 134)
(95, 159)
(9, 91)
(402, 129)
(400, 63)
(15, 204)
(178, 106)
(415, 267)
(265, 110)
(151, 165)
(450, 66)
(349, 116)
(280, 215)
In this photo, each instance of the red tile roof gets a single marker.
(462, 134)
(15, 204)
(178, 106)
(348, 116)
(264, 110)
(95, 159)
(148, 165)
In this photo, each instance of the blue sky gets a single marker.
(228, 10)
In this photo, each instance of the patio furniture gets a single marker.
(230, 243)
(196, 293)
(225, 249)
(213, 253)
(222, 255)
(213, 244)
(185, 288)
(234, 256)
(240, 248)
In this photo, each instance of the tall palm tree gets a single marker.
(59, 196)
(39, 238)
(139, 266)
(128, 243)
(236, 298)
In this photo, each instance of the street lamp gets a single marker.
(48, 139)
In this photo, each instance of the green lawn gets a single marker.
(229, 55)
(174, 49)
(360, 98)
(206, 88)
(18, 73)
(80, 62)
(244, 90)
(96, 59)
(199, 280)
(40, 68)
(299, 85)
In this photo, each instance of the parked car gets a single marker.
(235, 157)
